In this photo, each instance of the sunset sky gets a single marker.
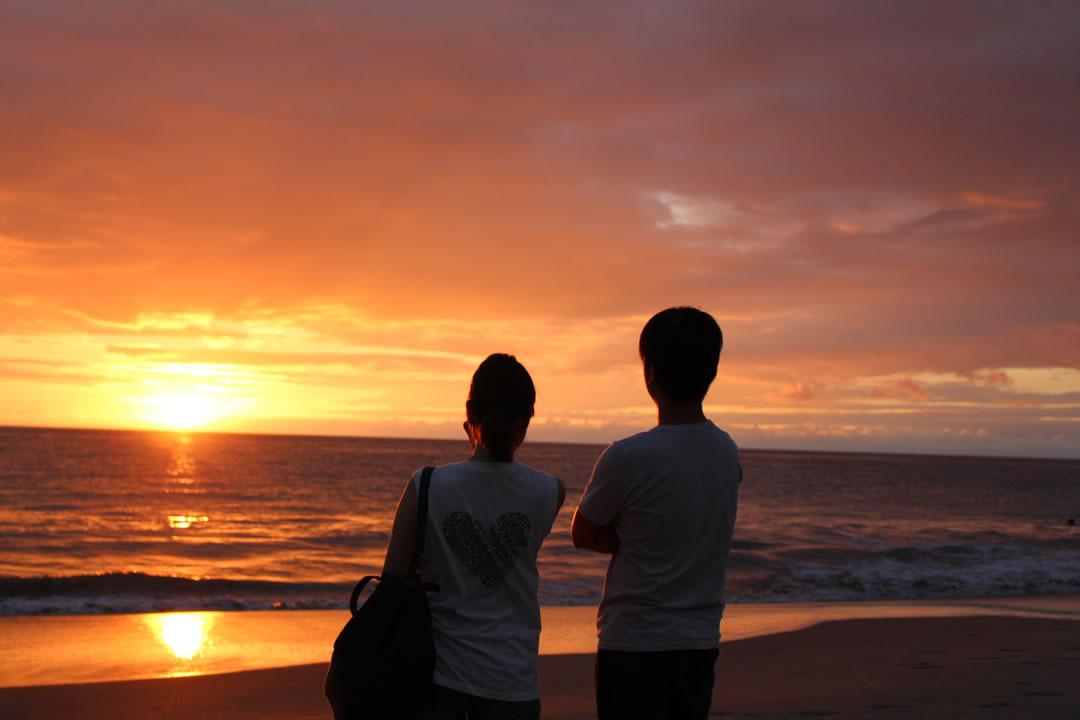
(318, 217)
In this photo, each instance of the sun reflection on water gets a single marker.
(182, 472)
(186, 521)
(184, 634)
(183, 466)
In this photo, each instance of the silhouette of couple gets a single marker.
(662, 503)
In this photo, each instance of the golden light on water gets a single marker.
(184, 634)
(185, 521)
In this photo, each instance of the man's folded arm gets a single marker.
(587, 535)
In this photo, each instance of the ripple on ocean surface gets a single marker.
(102, 521)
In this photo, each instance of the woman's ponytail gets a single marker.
(497, 435)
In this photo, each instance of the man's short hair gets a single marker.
(682, 345)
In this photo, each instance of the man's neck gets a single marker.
(682, 413)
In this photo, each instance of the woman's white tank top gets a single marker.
(486, 521)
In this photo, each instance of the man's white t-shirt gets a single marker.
(671, 494)
(486, 521)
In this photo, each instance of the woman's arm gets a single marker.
(399, 552)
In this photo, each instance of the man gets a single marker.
(663, 504)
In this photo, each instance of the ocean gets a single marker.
(95, 521)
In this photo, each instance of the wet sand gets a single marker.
(968, 666)
(68, 649)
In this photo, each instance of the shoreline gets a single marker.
(967, 665)
(81, 649)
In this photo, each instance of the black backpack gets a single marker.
(384, 657)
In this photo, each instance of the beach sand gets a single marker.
(980, 665)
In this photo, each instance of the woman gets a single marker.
(486, 519)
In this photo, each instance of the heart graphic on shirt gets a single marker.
(487, 554)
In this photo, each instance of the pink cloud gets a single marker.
(993, 378)
(904, 389)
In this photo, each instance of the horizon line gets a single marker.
(162, 431)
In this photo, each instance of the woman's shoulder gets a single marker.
(533, 472)
(547, 484)
(453, 468)
(468, 472)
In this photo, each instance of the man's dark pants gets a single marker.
(663, 685)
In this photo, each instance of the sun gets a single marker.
(181, 411)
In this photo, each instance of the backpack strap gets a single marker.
(353, 607)
(421, 516)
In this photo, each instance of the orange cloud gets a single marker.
(997, 201)
(338, 199)
(799, 392)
